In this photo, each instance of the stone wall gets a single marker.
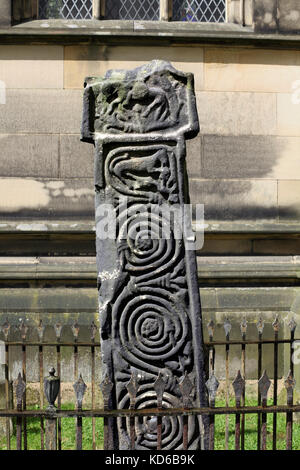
(243, 166)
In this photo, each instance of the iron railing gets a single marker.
(50, 418)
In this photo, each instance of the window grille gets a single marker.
(199, 10)
(66, 9)
(132, 9)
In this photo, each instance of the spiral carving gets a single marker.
(146, 427)
(147, 241)
(152, 329)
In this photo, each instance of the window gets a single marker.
(199, 10)
(132, 9)
(67, 9)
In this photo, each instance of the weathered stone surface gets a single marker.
(193, 157)
(250, 70)
(84, 61)
(5, 13)
(259, 157)
(41, 111)
(289, 199)
(148, 291)
(265, 16)
(31, 66)
(46, 198)
(29, 155)
(237, 113)
(289, 16)
(235, 199)
(76, 159)
(288, 112)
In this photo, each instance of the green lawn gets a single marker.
(69, 427)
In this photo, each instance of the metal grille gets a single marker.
(199, 10)
(132, 10)
(67, 9)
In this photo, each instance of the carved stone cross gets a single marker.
(149, 303)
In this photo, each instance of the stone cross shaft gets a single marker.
(150, 315)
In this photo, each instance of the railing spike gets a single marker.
(75, 330)
(276, 323)
(244, 325)
(264, 384)
(5, 329)
(227, 326)
(20, 388)
(211, 328)
(212, 386)
(238, 386)
(94, 329)
(292, 325)
(132, 387)
(40, 330)
(159, 387)
(58, 329)
(106, 387)
(186, 387)
(23, 329)
(260, 325)
(80, 389)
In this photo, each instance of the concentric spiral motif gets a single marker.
(146, 427)
(152, 330)
(147, 240)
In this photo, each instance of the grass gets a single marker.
(68, 431)
(69, 427)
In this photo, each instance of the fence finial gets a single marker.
(186, 388)
(292, 325)
(132, 387)
(260, 325)
(212, 386)
(23, 329)
(211, 328)
(58, 328)
(75, 330)
(106, 387)
(79, 388)
(238, 386)
(94, 330)
(40, 330)
(5, 329)
(159, 387)
(289, 384)
(20, 388)
(227, 326)
(264, 384)
(276, 323)
(51, 388)
(244, 325)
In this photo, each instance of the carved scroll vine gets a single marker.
(146, 313)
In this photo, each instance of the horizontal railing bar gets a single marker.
(239, 342)
(36, 343)
(150, 412)
(97, 344)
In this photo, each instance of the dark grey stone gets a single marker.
(149, 300)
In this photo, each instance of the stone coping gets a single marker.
(88, 226)
(127, 32)
(84, 267)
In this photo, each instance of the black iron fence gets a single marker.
(234, 392)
